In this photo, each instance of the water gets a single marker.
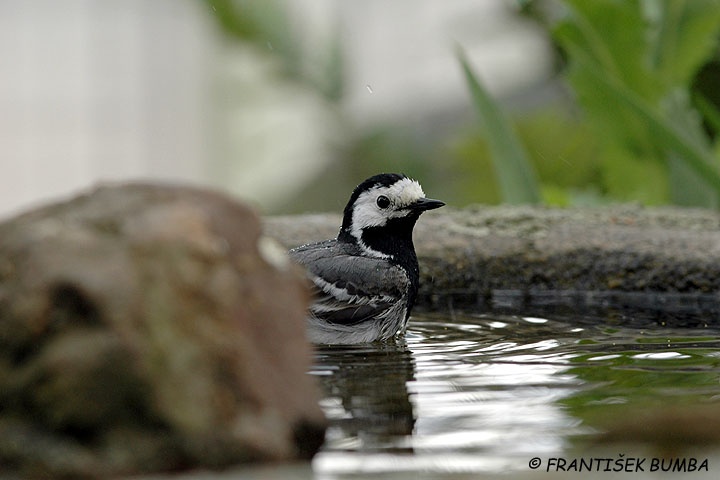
(469, 394)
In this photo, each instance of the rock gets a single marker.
(150, 328)
(527, 258)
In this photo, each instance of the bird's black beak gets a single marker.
(426, 204)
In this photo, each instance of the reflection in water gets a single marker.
(366, 396)
(487, 390)
(487, 393)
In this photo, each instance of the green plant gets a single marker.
(515, 174)
(631, 65)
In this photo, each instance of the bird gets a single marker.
(365, 280)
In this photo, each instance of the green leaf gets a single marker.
(710, 113)
(682, 34)
(612, 34)
(697, 159)
(686, 185)
(516, 176)
(631, 63)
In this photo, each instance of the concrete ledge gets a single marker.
(484, 258)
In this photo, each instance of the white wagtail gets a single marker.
(366, 279)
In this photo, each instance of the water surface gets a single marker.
(469, 394)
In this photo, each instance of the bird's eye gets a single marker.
(383, 202)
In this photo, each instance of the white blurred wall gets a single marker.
(95, 90)
(106, 90)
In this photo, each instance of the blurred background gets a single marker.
(290, 103)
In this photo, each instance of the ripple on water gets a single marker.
(479, 393)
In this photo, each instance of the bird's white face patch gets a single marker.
(367, 213)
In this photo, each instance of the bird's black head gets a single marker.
(382, 212)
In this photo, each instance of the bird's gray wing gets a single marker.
(350, 289)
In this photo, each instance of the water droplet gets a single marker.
(369, 88)
(269, 45)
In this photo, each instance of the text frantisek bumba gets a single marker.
(621, 463)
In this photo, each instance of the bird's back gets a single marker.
(357, 298)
